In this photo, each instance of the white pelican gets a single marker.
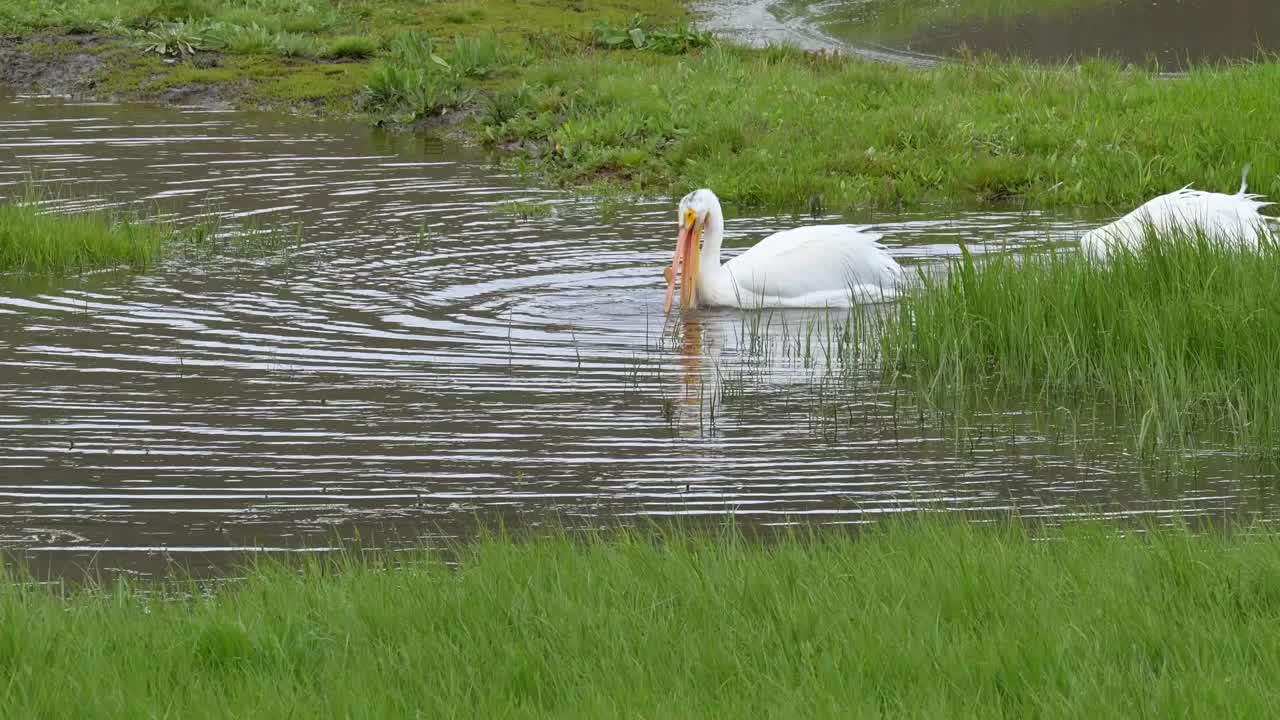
(815, 266)
(1221, 217)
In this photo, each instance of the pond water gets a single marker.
(1170, 34)
(422, 362)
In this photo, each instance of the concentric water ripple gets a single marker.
(422, 362)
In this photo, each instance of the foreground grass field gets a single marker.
(919, 619)
(1180, 334)
(620, 93)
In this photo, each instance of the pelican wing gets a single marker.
(815, 265)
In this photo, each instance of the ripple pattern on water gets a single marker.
(422, 361)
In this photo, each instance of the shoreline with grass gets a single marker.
(623, 96)
(915, 618)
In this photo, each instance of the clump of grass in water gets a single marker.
(256, 239)
(35, 241)
(523, 209)
(1182, 334)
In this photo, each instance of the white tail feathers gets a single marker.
(1230, 218)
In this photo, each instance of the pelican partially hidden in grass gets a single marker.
(1191, 213)
(815, 266)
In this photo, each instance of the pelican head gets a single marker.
(698, 210)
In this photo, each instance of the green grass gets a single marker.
(38, 242)
(352, 47)
(32, 241)
(1180, 335)
(779, 129)
(923, 619)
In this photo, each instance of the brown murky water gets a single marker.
(422, 362)
(1170, 34)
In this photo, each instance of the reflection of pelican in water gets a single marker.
(691, 349)
(697, 387)
(816, 266)
(724, 358)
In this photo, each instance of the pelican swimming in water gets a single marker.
(815, 266)
(1218, 216)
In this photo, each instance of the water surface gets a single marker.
(1169, 34)
(422, 362)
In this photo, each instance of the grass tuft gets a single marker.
(352, 47)
(415, 92)
(33, 241)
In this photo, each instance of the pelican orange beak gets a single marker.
(684, 264)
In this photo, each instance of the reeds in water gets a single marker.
(1183, 334)
(33, 240)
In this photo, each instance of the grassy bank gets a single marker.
(780, 128)
(619, 92)
(1181, 334)
(932, 619)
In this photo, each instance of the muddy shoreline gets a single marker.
(29, 65)
(80, 67)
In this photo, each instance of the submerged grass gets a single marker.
(1182, 334)
(914, 619)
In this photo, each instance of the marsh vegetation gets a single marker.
(33, 240)
(38, 236)
(1179, 333)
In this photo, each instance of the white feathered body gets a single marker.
(815, 266)
(1220, 217)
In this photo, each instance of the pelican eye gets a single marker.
(690, 217)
